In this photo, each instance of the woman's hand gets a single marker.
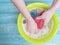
(31, 26)
(46, 16)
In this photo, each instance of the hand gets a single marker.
(31, 26)
(47, 15)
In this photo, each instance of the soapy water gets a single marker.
(41, 32)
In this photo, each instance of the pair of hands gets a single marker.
(32, 25)
(47, 15)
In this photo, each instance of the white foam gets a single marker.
(40, 33)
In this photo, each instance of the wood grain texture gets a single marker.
(9, 34)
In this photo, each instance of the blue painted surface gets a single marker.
(9, 34)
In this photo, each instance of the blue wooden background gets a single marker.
(9, 34)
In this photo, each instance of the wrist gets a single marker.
(52, 10)
(29, 19)
(55, 6)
